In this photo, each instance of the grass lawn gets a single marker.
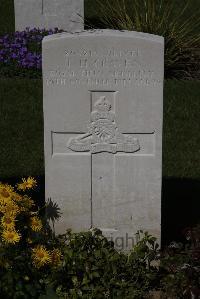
(7, 21)
(181, 138)
(21, 121)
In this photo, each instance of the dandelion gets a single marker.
(8, 222)
(36, 224)
(40, 256)
(11, 236)
(28, 183)
(56, 257)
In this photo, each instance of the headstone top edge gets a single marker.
(105, 32)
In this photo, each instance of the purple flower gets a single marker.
(14, 56)
(24, 47)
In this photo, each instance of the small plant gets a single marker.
(20, 52)
(93, 268)
(180, 267)
(160, 17)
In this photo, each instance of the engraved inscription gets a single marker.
(118, 67)
(107, 52)
(103, 134)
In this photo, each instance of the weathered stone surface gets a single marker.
(64, 14)
(103, 98)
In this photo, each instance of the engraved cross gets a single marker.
(105, 144)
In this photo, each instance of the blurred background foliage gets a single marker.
(94, 12)
(178, 24)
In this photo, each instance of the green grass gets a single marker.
(21, 122)
(181, 134)
(21, 135)
(7, 21)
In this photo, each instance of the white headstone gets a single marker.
(103, 99)
(48, 14)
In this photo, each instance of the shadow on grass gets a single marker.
(180, 207)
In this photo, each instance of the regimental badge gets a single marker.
(103, 134)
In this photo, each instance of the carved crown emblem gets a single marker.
(103, 104)
(103, 134)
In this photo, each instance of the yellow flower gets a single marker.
(56, 257)
(40, 256)
(10, 208)
(28, 183)
(11, 236)
(8, 222)
(6, 192)
(27, 202)
(36, 224)
(16, 197)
